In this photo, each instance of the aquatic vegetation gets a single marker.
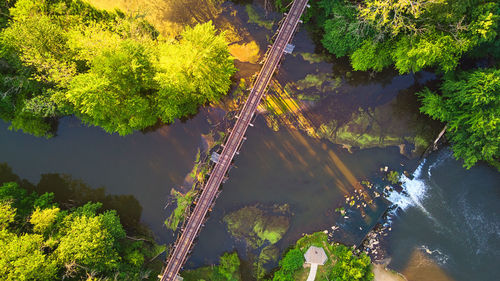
(254, 17)
(257, 225)
(183, 202)
(267, 254)
(323, 82)
(312, 57)
(393, 177)
(308, 97)
(373, 128)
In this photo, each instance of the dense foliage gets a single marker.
(349, 267)
(341, 265)
(409, 35)
(227, 270)
(40, 241)
(66, 57)
(291, 262)
(470, 106)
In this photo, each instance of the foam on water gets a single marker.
(436, 254)
(414, 191)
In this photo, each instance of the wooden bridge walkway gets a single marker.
(183, 244)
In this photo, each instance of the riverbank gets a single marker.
(340, 261)
(381, 273)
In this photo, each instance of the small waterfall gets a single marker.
(414, 192)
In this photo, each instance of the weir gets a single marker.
(183, 245)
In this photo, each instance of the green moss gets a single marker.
(257, 225)
(254, 17)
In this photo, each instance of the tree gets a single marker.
(343, 32)
(193, 71)
(432, 33)
(349, 267)
(87, 243)
(228, 268)
(412, 35)
(470, 105)
(291, 262)
(23, 258)
(114, 93)
(48, 243)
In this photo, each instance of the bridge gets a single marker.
(182, 246)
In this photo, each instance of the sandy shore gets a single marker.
(383, 274)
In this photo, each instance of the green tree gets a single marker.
(114, 93)
(470, 106)
(48, 243)
(228, 268)
(429, 33)
(43, 220)
(7, 214)
(23, 258)
(88, 243)
(291, 262)
(195, 70)
(349, 267)
(343, 32)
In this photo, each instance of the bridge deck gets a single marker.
(181, 248)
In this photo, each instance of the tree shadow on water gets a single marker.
(70, 193)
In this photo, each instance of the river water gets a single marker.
(450, 225)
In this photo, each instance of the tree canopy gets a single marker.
(470, 106)
(65, 57)
(39, 241)
(409, 35)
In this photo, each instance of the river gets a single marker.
(448, 227)
(456, 218)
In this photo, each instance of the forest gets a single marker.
(65, 57)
